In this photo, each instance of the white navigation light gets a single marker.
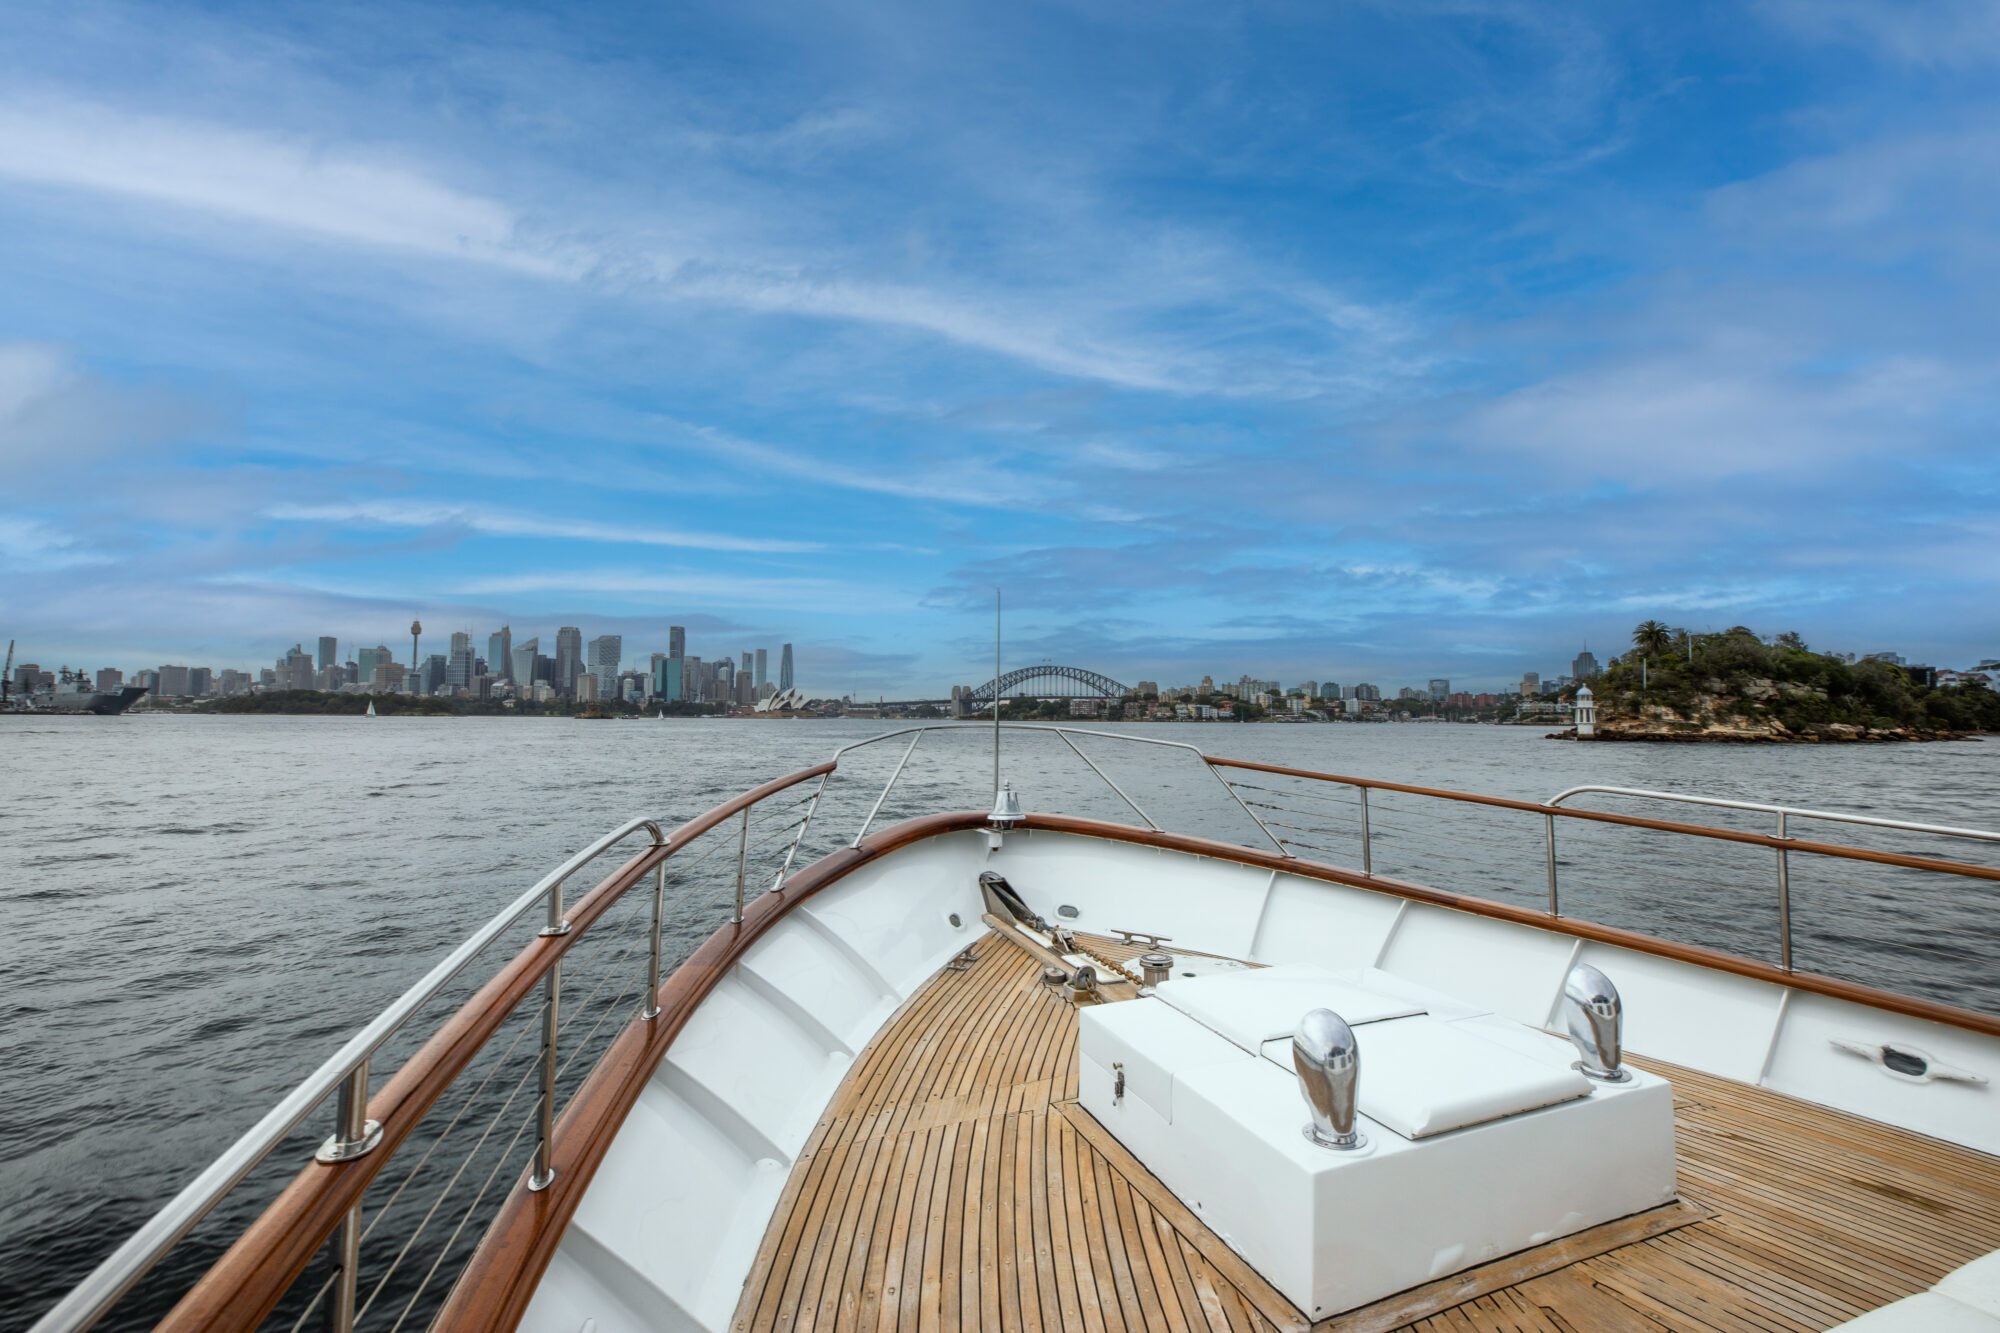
(1595, 1019)
(1329, 1066)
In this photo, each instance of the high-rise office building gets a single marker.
(1440, 689)
(110, 678)
(521, 664)
(746, 689)
(1531, 684)
(785, 668)
(367, 659)
(174, 682)
(431, 673)
(500, 653)
(1584, 667)
(677, 641)
(605, 651)
(201, 682)
(692, 688)
(459, 670)
(761, 665)
(569, 660)
(329, 651)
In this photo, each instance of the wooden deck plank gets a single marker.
(953, 1184)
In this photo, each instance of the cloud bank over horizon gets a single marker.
(1366, 342)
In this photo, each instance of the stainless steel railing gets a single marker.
(1784, 814)
(344, 1075)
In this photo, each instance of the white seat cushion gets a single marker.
(1925, 1312)
(1977, 1284)
(1257, 1005)
(1421, 1077)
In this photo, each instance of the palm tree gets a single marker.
(1652, 638)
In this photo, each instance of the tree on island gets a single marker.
(1653, 638)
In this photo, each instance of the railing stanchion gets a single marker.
(354, 1135)
(742, 863)
(805, 827)
(1784, 899)
(652, 1009)
(1367, 841)
(1549, 858)
(545, 1104)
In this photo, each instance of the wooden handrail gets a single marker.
(493, 1293)
(1899, 859)
(242, 1287)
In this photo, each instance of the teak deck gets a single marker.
(953, 1184)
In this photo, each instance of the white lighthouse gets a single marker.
(1586, 714)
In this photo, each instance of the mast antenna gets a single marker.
(996, 693)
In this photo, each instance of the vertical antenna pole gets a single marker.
(996, 693)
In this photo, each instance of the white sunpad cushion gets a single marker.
(1257, 1005)
(1420, 1077)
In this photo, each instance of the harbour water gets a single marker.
(202, 908)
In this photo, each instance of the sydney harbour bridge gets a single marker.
(1046, 681)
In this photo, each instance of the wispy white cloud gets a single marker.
(500, 523)
(693, 586)
(331, 190)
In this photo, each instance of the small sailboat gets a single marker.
(371, 708)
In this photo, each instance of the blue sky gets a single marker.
(1343, 341)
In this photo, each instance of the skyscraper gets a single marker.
(458, 672)
(569, 660)
(677, 641)
(785, 668)
(1584, 667)
(367, 659)
(1440, 689)
(329, 650)
(761, 665)
(500, 653)
(605, 651)
(521, 664)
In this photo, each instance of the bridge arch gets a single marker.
(1055, 682)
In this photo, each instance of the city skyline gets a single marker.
(1398, 340)
(575, 652)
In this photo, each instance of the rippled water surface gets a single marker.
(201, 909)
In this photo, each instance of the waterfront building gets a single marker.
(149, 681)
(1531, 684)
(329, 651)
(746, 688)
(521, 662)
(110, 678)
(387, 677)
(232, 682)
(569, 660)
(367, 659)
(761, 652)
(785, 681)
(1584, 666)
(692, 687)
(586, 688)
(605, 651)
(1368, 693)
(173, 682)
(500, 652)
(201, 682)
(1440, 689)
